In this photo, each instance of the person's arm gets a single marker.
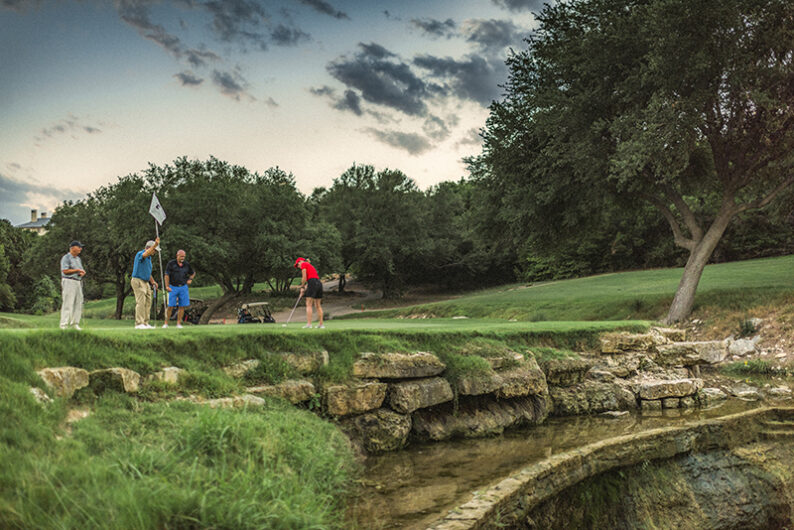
(167, 280)
(303, 280)
(81, 272)
(151, 250)
(192, 275)
(152, 282)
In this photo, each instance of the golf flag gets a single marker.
(157, 210)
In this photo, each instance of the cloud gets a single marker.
(71, 125)
(470, 137)
(231, 84)
(413, 143)
(188, 79)
(493, 35)
(325, 8)
(348, 101)
(436, 28)
(17, 198)
(516, 6)
(236, 21)
(435, 128)
(475, 78)
(284, 36)
(383, 79)
(19, 5)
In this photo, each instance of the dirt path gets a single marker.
(334, 304)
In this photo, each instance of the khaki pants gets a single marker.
(71, 302)
(143, 300)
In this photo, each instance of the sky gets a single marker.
(92, 90)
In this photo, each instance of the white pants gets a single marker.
(71, 302)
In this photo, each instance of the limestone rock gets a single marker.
(475, 385)
(65, 380)
(170, 374)
(505, 361)
(603, 376)
(379, 431)
(781, 392)
(477, 416)
(407, 396)
(236, 402)
(397, 365)
(591, 397)
(708, 396)
(293, 390)
(239, 369)
(526, 379)
(564, 372)
(621, 342)
(40, 395)
(741, 347)
(660, 389)
(303, 363)
(671, 334)
(116, 379)
(692, 353)
(342, 400)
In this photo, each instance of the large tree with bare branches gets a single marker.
(685, 104)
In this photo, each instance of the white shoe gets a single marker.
(149, 326)
(141, 326)
(63, 326)
(321, 326)
(166, 325)
(307, 326)
(77, 327)
(179, 326)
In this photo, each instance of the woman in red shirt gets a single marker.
(312, 288)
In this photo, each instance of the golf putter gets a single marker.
(293, 308)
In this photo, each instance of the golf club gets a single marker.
(293, 309)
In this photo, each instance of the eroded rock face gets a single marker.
(477, 416)
(621, 342)
(692, 353)
(342, 400)
(741, 347)
(523, 380)
(170, 375)
(116, 379)
(408, 396)
(660, 389)
(397, 365)
(708, 396)
(379, 431)
(293, 390)
(64, 380)
(564, 372)
(591, 397)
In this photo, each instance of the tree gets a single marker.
(678, 103)
(15, 283)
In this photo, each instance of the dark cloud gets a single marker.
(188, 79)
(325, 8)
(284, 36)
(435, 128)
(436, 28)
(475, 78)
(413, 143)
(493, 35)
(230, 84)
(389, 16)
(516, 6)
(17, 197)
(381, 78)
(471, 137)
(349, 101)
(19, 5)
(71, 125)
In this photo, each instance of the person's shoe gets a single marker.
(307, 326)
(141, 326)
(179, 326)
(77, 327)
(166, 325)
(321, 326)
(63, 326)
(149, 326)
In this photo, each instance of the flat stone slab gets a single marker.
(564, 372)
(237, 402)
(64, 380)
(526, 379)
(397, 365)
(293, 390)
(408, 396)
(621, 342)
(117, 379)
(660, 389)
(671, 334)
(342, 400)
(692, 353)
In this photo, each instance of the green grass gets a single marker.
(644, 295)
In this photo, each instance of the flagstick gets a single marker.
(162, 279)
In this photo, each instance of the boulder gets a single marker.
(591, 397)
(622, 342)
(477, 416)
(527, 379)
(379, 431)
(707, 396)
(397, 365)
(692, 353)
(741, 347)
(65, 380)
(342, 400)
(564, 372)
(660, 389)
(40, 395)
(670, 334)
(170, 374)
(407, 396)
(116, 379)
(476, 385)
(239, 369)
(293, 390)
(603, 376)
(503, 361)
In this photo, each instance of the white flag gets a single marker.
(157, 210)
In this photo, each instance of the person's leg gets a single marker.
(67, 301)
(180, 316)
(139, 289)
(148, 301)
(77, 310)
(309, 302)
(318, 302)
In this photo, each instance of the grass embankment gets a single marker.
(644, 295)
(151, 462)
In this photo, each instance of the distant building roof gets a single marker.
(38, 223)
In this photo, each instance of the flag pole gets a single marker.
(162, 279)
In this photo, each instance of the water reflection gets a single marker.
(411, 488)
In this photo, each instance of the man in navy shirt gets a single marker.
(141, 281)
(178, 275)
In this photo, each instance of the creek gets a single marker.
(411, 488)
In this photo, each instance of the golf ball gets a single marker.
(283, 325)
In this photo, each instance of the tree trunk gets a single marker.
(698, 258)
(214, 306)
(342, 282)
(121, 294)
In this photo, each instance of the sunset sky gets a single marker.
(91, 90)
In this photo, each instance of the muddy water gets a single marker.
(411, 488)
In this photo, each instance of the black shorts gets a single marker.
(314, 288)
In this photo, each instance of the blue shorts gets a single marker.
(178, 296)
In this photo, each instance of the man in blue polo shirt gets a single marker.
(142, 282)
(178, 275)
